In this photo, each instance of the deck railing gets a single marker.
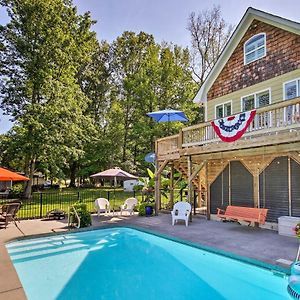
(169, 144)
(272, 118)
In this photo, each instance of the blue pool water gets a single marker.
(123, 263)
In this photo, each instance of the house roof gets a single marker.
(250, 15)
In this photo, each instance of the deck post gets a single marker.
(171, 203)
(256, 188)
(180, 139)
(157, 188)
(207, 193)
(190, 183)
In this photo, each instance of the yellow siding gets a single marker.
(275, 85)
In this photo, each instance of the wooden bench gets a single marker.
(240, 213)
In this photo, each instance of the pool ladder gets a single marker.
(72, 208)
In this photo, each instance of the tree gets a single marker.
(42, 49)
(209, 34)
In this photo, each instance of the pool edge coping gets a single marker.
(245, 259)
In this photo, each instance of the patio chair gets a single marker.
(102, 205)
(181, 211)
(4, 194)
(129, 205)
(9, 214)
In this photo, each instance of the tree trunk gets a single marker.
(29, 172)
(73, 170)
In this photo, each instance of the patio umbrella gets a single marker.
(168, 115)
(6, 175)
(150, 157)
(115, 174)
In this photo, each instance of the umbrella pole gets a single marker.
(115, 183)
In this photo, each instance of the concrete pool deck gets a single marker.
(251, 242)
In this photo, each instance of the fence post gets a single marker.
(180, 195)
(133, 193)
(41, 205)
(108, 195)
(78, 196)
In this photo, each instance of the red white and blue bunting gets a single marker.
(230, 129)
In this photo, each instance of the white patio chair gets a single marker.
(102, 205)
(181, 211)
(129, 205)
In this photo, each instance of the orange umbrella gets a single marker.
(6, 175)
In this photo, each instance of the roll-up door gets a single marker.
(241, 185)
(273, 189)
(295, 188)
(219, 191)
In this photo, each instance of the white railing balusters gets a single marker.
(278, 115)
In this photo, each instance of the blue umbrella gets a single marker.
(168, 115)
(150, 157)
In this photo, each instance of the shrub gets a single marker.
(141, 209)
(84, 215)
(16, 190)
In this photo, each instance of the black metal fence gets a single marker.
(43, 202)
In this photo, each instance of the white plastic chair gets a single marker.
(102, 205)
(129, 205)
(181, 211)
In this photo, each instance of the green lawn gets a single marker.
(43, 202)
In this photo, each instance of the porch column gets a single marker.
(171, 202)
(207, 184)
(256, 188)
(157, 188)
(190, 183)
(158, 170)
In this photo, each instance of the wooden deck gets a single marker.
(276, 128)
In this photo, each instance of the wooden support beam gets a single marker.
(207, 194)
(242, 153)
(162, 166)
(196, 171)
(256, 188)
(157, 193)
(190, 184)
(171, 202)
(296, 156)
(274, 142)
(180, 139)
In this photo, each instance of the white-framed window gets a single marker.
(255, 48)
(223, 110)
(291, 89)
(256, 100)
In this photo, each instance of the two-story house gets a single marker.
(259, 69)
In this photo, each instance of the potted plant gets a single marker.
(149, 201)
(146, 207)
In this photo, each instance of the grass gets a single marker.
(43, 202)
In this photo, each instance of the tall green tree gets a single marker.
(43, 48)
(147, 77)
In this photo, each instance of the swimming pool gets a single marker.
(123, 263)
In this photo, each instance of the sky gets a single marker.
(165, 19)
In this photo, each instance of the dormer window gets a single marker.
(255, 48)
